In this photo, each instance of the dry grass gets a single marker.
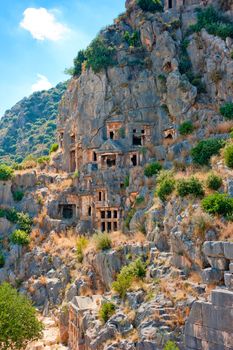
(226, 231)
(222, 128)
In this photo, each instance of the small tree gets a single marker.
(214, 182)
(106, 311)
(82, 243)
(219, 204)
(20, 237)
(18, 321)
(227, 110)
(150, 5)
(6, 172)
(190, 187)
(228, 155)
(54, 148)
(205, 149)
(99, 55)
(152, 169)
(186, 128)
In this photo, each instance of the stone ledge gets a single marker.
(222, 298)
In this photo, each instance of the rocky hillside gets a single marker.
(30, 126)
(145, 156)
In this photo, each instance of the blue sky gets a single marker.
(40, 38)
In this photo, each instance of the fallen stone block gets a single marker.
(196, 313)
(222, 298)
(228, 250)
(214, 249)
(212, 276)
(228, 279)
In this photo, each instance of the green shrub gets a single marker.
(214, 22)
(214, 182)
(228, 155)
(82, 243)
(227, 110)
(150, 5)
(6, 172)
(139, 200)
(205, 149)
(171, 345)
(20, 237)
(219, 204)
(102, 241)
(166, 185)
(136, 269)
(19, 323)
(18, 195)
(132, 39)
(99, 55)
(78, 63)
(2, 260)
(106, 311)
(43, 160)
(190, 187)
(186, 128)
(54, 148)
(24, 222)
(152, 169)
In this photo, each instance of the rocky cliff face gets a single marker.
(166, 253)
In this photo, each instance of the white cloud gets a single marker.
(41, 84)
(42, 24)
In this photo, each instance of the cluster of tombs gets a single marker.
(101, 168)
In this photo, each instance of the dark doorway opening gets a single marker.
(134, 160)
(89, 211)
(111, 162)
(102, 214)
(67, 212)
(103, 226)
(94, 157)
(115, 228)
(137, 140)
(109, 226)
(111, 135)
(170, 4)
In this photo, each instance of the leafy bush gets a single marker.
(150, 5)
(54, 148)
(186, 128)
(214, 22)
(78, 63)
(43, 160)
(102, 241)
(82, 243)
(205, 149)
(139, 200)
(166, 185)
(228, 155)
(2, 260)
(214, 182)
(152, 169)
(171, 345)
(6, 172)
(24, 222)
(190, 187)
(18, 195)
(227, 110)
(136, 269)
(19, 323)
(133, 39)
(219, 204)
(20, 237)
(106, 311)
(99, 55)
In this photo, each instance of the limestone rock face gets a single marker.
(5, 193)
(180, 94)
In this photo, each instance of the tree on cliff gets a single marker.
(18, 322)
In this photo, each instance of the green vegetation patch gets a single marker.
(106, 311)
(152, 169)
(228, 155)
(191, 187)
(219, 204)
(227, 110)
(19, 323)
(20, 237)
(102, 241)
(186, 128)
(205, 149)
(6, 172)
(150, 5)
(214, 182)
